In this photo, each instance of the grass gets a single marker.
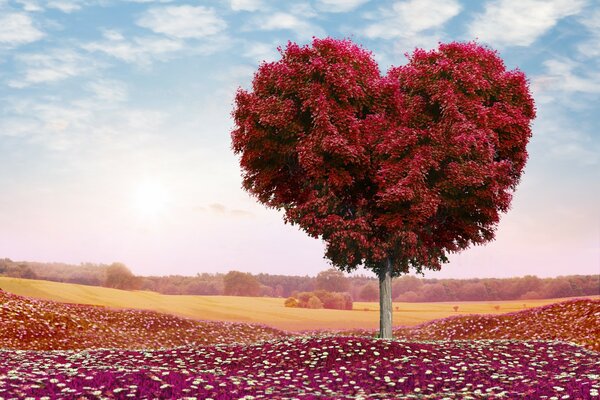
(261, 310)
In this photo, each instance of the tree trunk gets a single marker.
(385, 301)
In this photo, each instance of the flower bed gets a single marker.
(331, 367)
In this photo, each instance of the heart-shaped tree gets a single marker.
(392, 172)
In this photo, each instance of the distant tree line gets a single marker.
(360, 288)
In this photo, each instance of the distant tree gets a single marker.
(240, 284)
(118, 276)
(473, 291)
(332, 280)
(557, 288)
(314, 302)
(433, 292)
(278, 291)
(334, 300)
(532, 295)
(266, 291)
(369, 292)
(25, 272)
(406, 283)
(409, 297)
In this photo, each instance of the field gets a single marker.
(78, 351)
(256, 310)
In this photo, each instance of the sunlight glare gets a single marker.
(150, 199)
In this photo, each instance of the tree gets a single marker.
(118, 276)
(332, 280)
(473, 291)
(405, 284)
(240, 284)
(392, 172)
(369, 292)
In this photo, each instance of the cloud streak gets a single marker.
(17, 29)
(183, 22)
(50, 67)
(520, 23)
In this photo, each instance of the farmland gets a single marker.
(257, 310)
(108, 353)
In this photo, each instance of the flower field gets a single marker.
(57, 350)
(32, 324)
(305, 368)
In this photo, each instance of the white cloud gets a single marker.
(138, 50)
(30, 5)
(64, 6)
(339, 6)
(520, 23)
(108, 90)
(182, 22)
(590, 47)
(258, 51)
(50, 66)
(563, 76)
(407, 19)
(302, 10)
(84, 124)
(246, 5)
(17, 29)
(287, 21)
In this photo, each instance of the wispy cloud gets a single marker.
(407, 19)
(259, 51)
(51, 66)
(247, 5)
(138, 50)
(108, 90)
(520, 23)
(339, 6)
(565, 75)
(30, 5)
(85, 124)
(65, 6)
(17, 29)
(221, 209)
(183, 22)
(590, 48)
(301, 27)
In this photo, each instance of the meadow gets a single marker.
(257, 310)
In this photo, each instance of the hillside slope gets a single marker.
(575, 321)
(33, 324)
(27, 323)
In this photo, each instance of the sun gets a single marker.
(150, 199)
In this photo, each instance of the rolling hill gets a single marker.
(259, 310)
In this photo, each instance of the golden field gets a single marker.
(259, 310)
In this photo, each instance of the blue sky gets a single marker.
(115, 123)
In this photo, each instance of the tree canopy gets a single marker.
(406, 167)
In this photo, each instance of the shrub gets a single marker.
(291, 302)
(314, 302)
(335, 301)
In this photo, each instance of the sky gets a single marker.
(115, 121)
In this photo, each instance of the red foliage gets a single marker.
(411, 166)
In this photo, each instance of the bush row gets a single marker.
(320, 299)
